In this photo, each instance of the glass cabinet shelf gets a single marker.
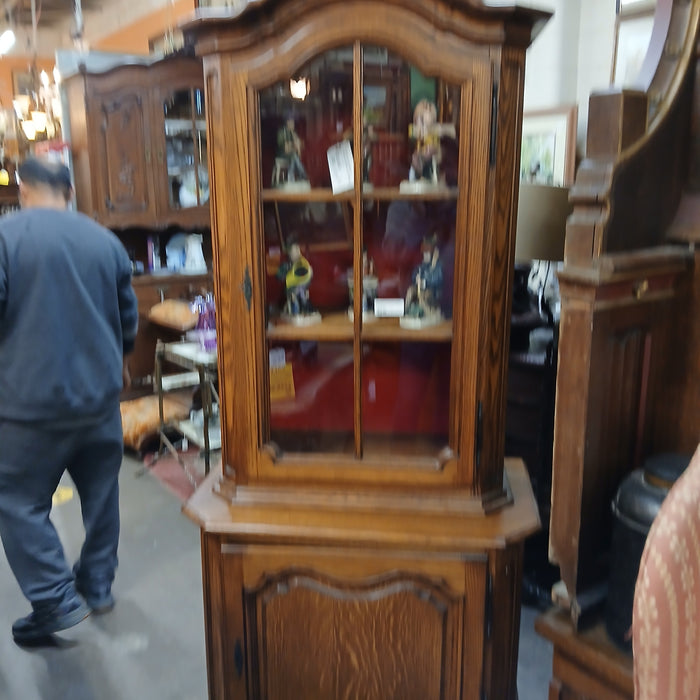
(318, 194)
(183, 127)
(373, 194)
(339, 326)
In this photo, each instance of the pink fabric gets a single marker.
(666, 616)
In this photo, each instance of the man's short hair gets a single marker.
(39, 171)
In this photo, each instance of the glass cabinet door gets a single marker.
(186, 148)
(363, 374)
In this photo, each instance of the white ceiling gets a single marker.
(56, 21)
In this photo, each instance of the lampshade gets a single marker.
(542, 214)
(39, 118)
(29, 129)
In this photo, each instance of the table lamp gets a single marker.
(539, 241)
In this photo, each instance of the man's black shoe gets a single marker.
(41, 624)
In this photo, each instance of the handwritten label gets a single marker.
(281, 376)
(281, 383)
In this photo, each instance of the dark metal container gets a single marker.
(634, 507)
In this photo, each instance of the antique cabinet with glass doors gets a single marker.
(138, 142)
(364, 537)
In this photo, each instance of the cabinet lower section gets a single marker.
(585, 663)
(303, 604)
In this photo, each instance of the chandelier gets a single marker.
(39, 110)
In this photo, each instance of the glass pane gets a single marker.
(410, 146)
(410, 244)
(308, 256)
(186, 149)
(302, 117)
(406, 383)
(410, 123)
(311, 396)
(405, 398)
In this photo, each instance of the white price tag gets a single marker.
(341, 167)
(389, 308)
(277, 358)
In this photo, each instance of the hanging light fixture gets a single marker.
(38, 112)
(299, 89)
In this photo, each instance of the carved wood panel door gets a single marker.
(372, 625)
(124, 190)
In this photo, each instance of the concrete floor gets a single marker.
(151, 646)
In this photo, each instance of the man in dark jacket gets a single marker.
(68, 317)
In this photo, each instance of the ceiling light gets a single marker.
(7, 41)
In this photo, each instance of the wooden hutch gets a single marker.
(628, 383)
(365, 536)
(138, 145)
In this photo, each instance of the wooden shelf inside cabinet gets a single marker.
(339, 327)
(368, 194)
(393, 193)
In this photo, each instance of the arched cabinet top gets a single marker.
(215, 30)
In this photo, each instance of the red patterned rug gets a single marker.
(180, 476)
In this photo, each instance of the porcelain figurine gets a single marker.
(424, 173)
(422, 305)
(297, 274)
(289, 147)
(370, 284)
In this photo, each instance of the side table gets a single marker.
(202, 371)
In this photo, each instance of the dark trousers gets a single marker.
(33, 459)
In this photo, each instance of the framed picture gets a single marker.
(548, 149)
(633, 28)
(377, 104)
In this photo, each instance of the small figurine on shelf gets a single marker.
(422, 307)
(424, 162)
(368, 138)
(427, 132)
(370, 283)
(289, 170)
(297, 274)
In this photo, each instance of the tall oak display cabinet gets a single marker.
(365, 536)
